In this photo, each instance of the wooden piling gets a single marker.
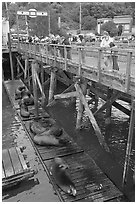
(34, 68)
(10, 55)
(109, 107)
(80, 106)
(52, 84)
(26, 68)
(129, 144)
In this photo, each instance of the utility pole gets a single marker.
(9, 44)
(49, 21)
(80, 18)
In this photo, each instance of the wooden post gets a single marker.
(65, 53)
(129, 144)
(10, 55)
(99, 64)
(80, 106)
(26, 68)
(52, 85)
(109, 108)
(128, 71)
(80, 62)
(34, 68)
(18, 29)
(114, 59)
(91, 118)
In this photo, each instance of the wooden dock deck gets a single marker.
(91, 183)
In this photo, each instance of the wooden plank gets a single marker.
(23, 163)
(66, 95)
(9, 171)
(15, 160)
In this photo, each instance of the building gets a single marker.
(125, 21)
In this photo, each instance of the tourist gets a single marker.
(105, 43)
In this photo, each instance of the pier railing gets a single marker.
(87, 61)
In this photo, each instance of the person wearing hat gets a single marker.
(105, 43)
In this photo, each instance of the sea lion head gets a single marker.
(61, 164)
(72, 190)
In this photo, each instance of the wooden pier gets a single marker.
(83, 73)
(91, 183)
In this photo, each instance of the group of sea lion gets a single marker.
(47, 132)
(25, 100)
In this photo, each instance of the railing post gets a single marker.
(65, 53)
(80, 64)
(99, 63)
(128, 71)
(114, 60)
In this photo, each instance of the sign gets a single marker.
(32, 13)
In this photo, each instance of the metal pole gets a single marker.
(80, 19)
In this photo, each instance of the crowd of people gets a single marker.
(68, 40)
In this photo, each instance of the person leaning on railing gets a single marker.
(66, 41)
(105, 43)
(81, 42)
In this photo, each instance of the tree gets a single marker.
(89, 23)
(110, 27)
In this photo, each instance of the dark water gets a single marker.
(64, 111)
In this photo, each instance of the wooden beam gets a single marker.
(10, 55)
(92, 119)
(65, 95)
(81, 106)
(52, 85)
(129, 144)
(20, 65)
(26, 68)
(40, 86)
(68, 89)
(34, 68)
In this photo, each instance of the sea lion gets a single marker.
(46, 140)
(24, 110)
(41, 125)
(60, 171)
(36, 127)
(19, 91)
(54, 130)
